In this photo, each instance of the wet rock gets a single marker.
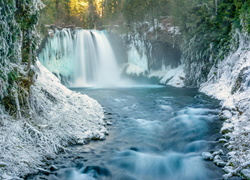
(223, 140)
(53, 168)
(43, 171)
(80, 142)
(102, 137)
(227, 129)
(79, 165)
(218, 161)
(96, 171)
(220, 152)
(2, 164)
(134, 149)
(86, 140)
(109, 123)
(108, 113)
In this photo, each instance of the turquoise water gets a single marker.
(158, 133)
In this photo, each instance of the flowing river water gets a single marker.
(157, 133)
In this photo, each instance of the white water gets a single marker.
(85, 57)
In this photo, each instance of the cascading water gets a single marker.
(84, 57)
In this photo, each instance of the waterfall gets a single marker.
(84, 57)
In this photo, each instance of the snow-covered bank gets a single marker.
(170, 76)
(58, 117)
(229, 81)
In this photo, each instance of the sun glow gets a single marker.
(79, 7)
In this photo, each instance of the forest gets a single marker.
(206, 26)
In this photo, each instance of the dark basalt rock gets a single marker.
(98, 171)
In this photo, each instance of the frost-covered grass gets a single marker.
(230, 82)
(58, 117)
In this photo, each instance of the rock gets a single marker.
(79, 165)
(245, 173)
(43, 171)
(70, 26)
(207, 156)
(99, 137)
(225, 114)
(102, 137)
(53, 168)
(96, 171)
(227, 129)
(86, 140)
(223, 140)
(220, 152)
(109, 123)
(2, 164)
(80, 142)
(219, 162)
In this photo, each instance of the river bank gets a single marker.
(229, 82)
(59, 118)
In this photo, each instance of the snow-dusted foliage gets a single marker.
(58, 117)
(229, 81)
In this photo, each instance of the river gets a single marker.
(157, 133)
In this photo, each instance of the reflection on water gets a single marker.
(157, 134)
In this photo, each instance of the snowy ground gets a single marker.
(58, 117)
(172, 77)
(230, 82)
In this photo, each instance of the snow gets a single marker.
(207, 156)
(175, 30)
(225, 114)
(137, 58)
(173, 77)
(58, 117)
(230, 82)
